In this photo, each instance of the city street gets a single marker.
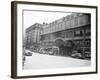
(43, 61)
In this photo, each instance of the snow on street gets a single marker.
(43, 61)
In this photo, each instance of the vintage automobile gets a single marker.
(42, 51)
(82, 53)
(49, 51)
(87, 53)
(77, 54)
(55, 50)
(28, 53)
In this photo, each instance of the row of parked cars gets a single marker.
(49, 50)
(80, 53)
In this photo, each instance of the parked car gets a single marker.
(84, 53)
(28, 53)
(77, 54)
(87, 53)
(55, 50)
(42, 51)
(49, 51)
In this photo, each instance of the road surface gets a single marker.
(43, 61)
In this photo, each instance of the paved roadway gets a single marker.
(43, 61)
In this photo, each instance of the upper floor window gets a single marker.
(88, 31)
(78, 32)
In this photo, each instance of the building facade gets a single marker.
(69, 32)
(33, 36)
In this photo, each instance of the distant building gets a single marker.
(33, 35)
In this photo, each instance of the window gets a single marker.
(76, 22)
(87, 42)
(69, 34)
(78, 32)
(87, 31)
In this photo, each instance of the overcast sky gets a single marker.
(31, 17)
